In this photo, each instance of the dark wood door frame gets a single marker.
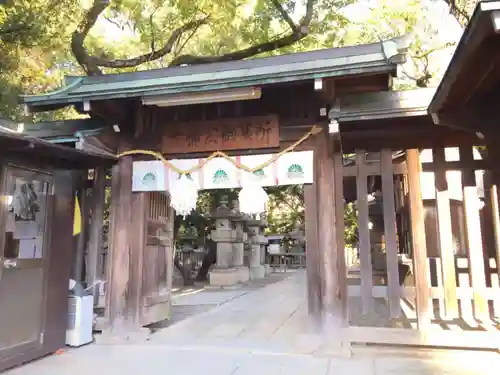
(7, 172)
(58, 245)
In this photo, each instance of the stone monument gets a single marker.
(259, 241)
(223, 235)
(240, 237)
(299, 238)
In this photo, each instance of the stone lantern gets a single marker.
(224, 236)
(240, 237)
(257, 255)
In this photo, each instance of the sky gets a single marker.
(449, 28)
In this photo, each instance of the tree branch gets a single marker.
(92, 64)
(153, 55)
(461, 14)
(180, 46)
(241, 54)
(430, 51)
(113, 22)
(306, 21)
(284, 14)
(78, 38)
(15, 29)
(297, 34)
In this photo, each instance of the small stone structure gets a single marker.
(257, 256)
(299, 238)
(231, 237)
(240, 237)
(224, 236)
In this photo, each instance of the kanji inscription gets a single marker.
(220, 135)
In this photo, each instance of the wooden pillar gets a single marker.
(364, 246)
(418, 239)
(474, 237)
(95, 243)
(334, 306)
(448, 270)
(495, 208)
(494, 163)
(313, 262)
(79, 258)
(138, 238)
(391, 242)
(338, 173)
(124, 257)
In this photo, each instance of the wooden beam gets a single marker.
(457, 165)
(404, 138)
(333, 305)
(364, 233)
(469, 120)
(391, 242)
(117, 292)
(257, 132)
(340, 232)
(474, 237)
(418, 239)
(401, 336)
(170, 252)
(79, 255)
(373, 169)
(313, 262)
(494, 157)
(469, 73)
(138, 238)
(95, 243)
(448, 271)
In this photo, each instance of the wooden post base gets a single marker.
(123, 335)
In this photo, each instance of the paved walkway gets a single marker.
(264, 332)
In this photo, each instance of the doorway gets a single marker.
(24, 255)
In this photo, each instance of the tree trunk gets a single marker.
(209, 259)
(186, 274)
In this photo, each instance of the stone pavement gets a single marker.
(262, 331)
(193, 300)
(160, 360)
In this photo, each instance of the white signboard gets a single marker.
(220, 173)
(295, 168)
(263, 177)
(149, 176)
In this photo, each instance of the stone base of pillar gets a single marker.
(257, 272)
(268, 269)
(244, 273)
(224, 277)
(133, 336)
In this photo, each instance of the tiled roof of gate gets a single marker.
(382, 57)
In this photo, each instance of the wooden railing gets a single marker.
(451, 296)
(283, 261)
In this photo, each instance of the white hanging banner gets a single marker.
(290, 169)
(295, 168)
(262, 177)
(253, 199)
(220, 173)
(184, 195)
(149, 176)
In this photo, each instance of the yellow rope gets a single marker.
(314, 130)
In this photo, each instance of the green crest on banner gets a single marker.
(220, 177)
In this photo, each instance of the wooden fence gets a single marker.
(429, 275)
